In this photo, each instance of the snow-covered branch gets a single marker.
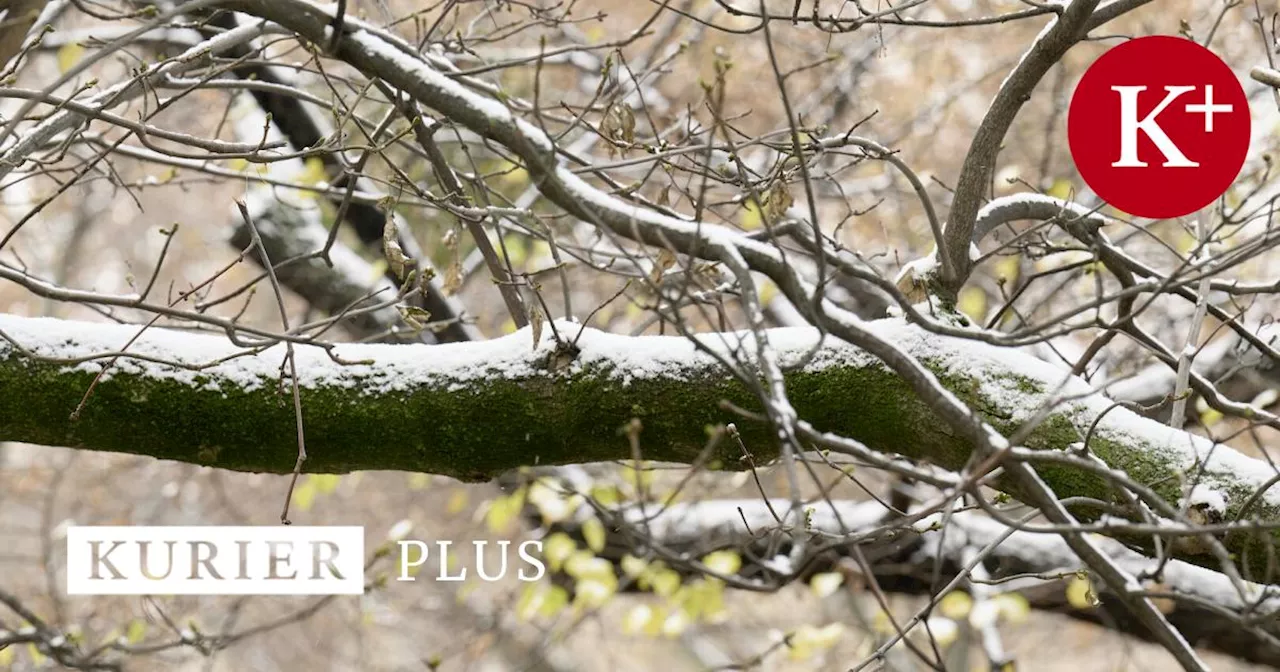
(477, 409)
(1205, 605)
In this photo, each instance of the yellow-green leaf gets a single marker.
(702, 598)
(1008, 268)
(552, 502)
(68, 55)
(633, 566)
(313, 172)
(541, 599)
(750, 219)
(638, 474)
(607, 496)
(593, 591)
(502, 512)
(826, 583)
(593, 533)
(675, 623)
(135, 631)
(304, 495)
(457, 501)
(1080, 592)
(584, 564)
(881, 624)
(665, 582)
(637, 619)
(1061, 188)
(723, 562)
(326, 483)
(514, 176)
(955, 605)
(973, 302)
(557, 548)
(808, 640)
(1014, 608)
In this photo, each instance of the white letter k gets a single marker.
(1130, 125)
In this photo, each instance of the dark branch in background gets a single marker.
(304, 130)
(292, 238)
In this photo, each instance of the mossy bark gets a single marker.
(472, 433)
(479, 428)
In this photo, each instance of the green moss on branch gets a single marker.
(477, 426)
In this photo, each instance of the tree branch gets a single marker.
(979, 163)
(474, 410)
(1205, 606)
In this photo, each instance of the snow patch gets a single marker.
(1208, 498)
(492, 109)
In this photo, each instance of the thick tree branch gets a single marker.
(979, 163)
(475, 410)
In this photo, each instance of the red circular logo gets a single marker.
(1159, 127)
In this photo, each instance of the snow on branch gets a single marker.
(473, 410)
(1204, 604)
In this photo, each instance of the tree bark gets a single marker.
(472, 411)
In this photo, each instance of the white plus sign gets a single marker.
(1208, 109)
